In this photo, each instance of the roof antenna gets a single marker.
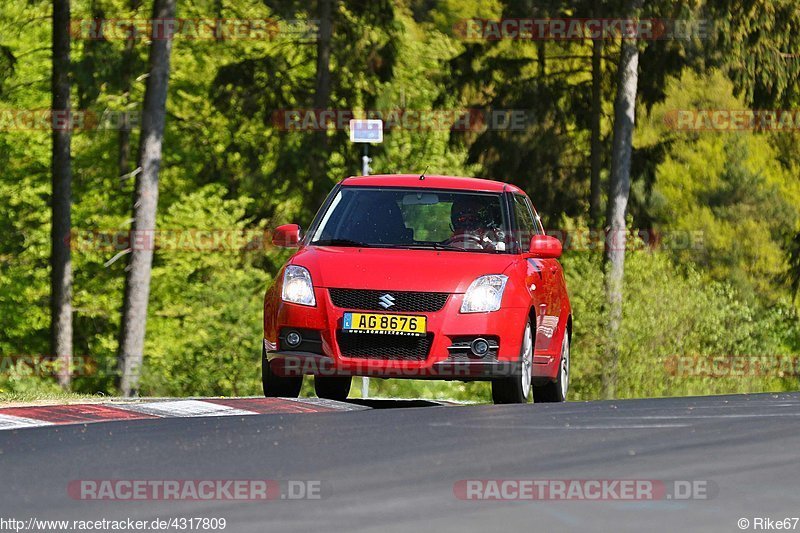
(422, 176)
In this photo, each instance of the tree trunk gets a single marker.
(619, 190)
(128, 61)
(218, 9)
(137, 282)
(322, 94)
(541, 57)
(794, 264)
(322, 99)
(596, 145)
(125, 128)
(60, 257)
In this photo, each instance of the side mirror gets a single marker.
(286, 236)
(545, 247)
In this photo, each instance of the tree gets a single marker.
(140, 260)
(794, 261)
(760, 47)
(322, 100)
(557, 155)
(127, 65)
(295, 75)
(596, 143)
(761, 36)
(60, 256)
(619, 191)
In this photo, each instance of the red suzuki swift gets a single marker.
(421, 277)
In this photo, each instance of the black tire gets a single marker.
(332, 387)
(512, 388)
(556, 391)
(278, 386)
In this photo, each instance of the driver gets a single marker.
(474, 227)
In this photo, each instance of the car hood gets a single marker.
(399, 270)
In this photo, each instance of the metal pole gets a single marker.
(365, 160)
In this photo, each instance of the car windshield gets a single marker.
(414, 218)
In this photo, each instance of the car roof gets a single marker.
(430, 182)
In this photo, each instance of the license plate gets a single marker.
(387, 324)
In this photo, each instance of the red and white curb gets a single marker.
(50, 415)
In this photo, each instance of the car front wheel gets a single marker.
(278, 386)
(517, 388)
(556, 391)
(332, 387)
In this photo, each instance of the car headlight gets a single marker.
(484, 294)
(297, 287)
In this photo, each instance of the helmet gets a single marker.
(469, 213)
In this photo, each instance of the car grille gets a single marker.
(403, 302)
(381, 346)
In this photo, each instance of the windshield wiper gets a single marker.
(431, 246)
(415, 246)
(339, 242)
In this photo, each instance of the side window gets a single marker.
(526, 226)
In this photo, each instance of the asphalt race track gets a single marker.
(394, 469)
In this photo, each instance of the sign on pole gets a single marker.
(366, 131)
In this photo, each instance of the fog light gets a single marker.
(479, 347)
(293, 339)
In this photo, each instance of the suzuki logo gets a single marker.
(386, 301)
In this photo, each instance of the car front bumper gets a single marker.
(448, 328)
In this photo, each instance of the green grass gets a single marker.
(46, 397)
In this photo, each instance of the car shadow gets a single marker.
(375, 403)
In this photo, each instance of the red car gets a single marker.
(421, 277)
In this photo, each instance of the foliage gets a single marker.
(728, 190)
(676, 326)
